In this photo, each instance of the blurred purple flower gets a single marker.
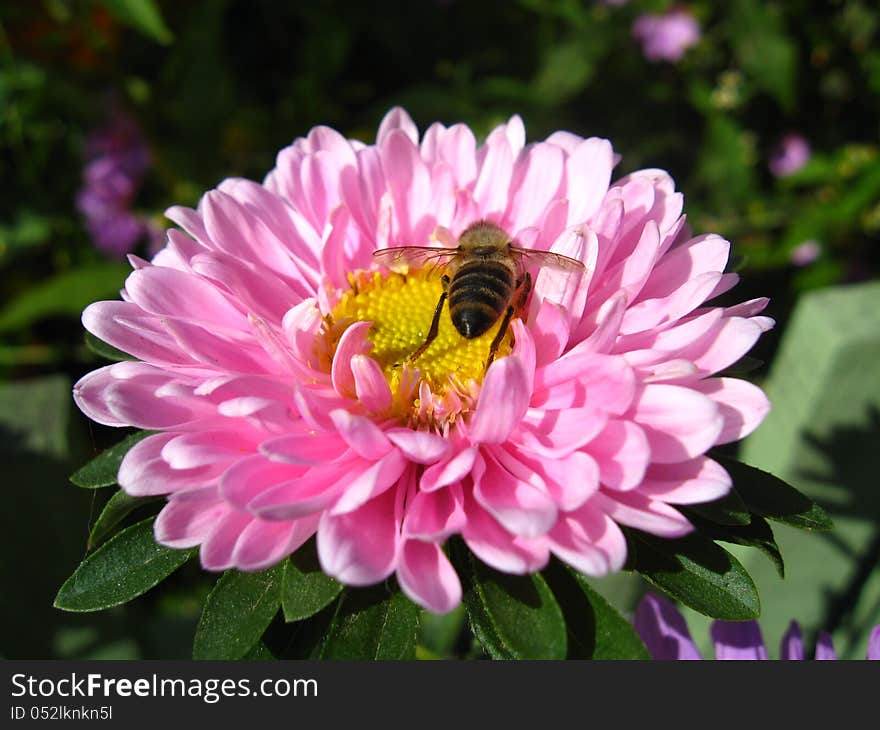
(666, 37)
(664, 631)
(805, 253)
(790, 155)
(117, 157)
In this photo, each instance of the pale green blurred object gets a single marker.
(823, 437)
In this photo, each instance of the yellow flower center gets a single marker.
(401, 307)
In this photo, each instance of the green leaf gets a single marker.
(99, 347)
(103, 469)
(768, 496)
(118, 507)
(596, 630)
(696, 572)
(143, 16)
(64, 294)
(370, 623)
(236, 613)
(763, 49)
(757, 534)
(125, 567)
(439, 633)
(259, 652)
(306, 589)
(729, 510)
(513, 616)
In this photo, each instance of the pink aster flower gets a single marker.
(790, 155)
(665, 633)
(274, 362)
(805, 253)
(668, 36)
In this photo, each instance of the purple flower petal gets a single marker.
(824, 647)
(738, 640)
(792, 646)
(663, 629)
(874, 644)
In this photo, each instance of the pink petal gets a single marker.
(250, 477)
(126, 326)
(537, 178)
(360, 548)
(186, 523)
(731, 339)
(173, 293)
(448, 472)
(410, 185)
(419, 446)
(588, 170)
(427, 577)
(549, 328)
(397, 118)
(361, 434)
(206, 448)
(496, 547)
(493, 180)
(305, 448)
(370, 386)
(506, 391)
(686, 482)
(217, 548)
(353, 342)
(262, 543)
(519, 506)
(300, 496)
(569, 480)
(144, 472)
(635, 510)
(742, 405)
(680, 423)
(370, 483)
(621, 450)
(589, 541)
(435, 515)
(557, 433)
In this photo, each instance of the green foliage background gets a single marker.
(220, 86)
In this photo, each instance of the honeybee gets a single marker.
(484, 278)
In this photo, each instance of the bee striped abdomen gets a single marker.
(478, 295)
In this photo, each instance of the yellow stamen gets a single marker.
(401, 307)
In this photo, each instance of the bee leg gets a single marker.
(502, 330)
(435, 322)
(525, 286)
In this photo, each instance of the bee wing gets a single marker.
(548, 258)
(413, 255)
